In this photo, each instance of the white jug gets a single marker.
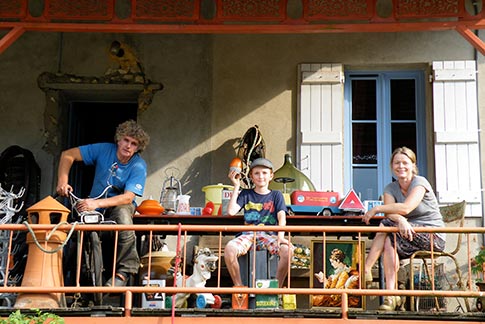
(183, 206)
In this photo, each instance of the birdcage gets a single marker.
(422, 281)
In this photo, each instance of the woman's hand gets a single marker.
(405, 229)
(368, 215)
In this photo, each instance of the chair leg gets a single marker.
(411, 283)
(460, 284)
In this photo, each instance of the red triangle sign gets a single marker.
(352, 202)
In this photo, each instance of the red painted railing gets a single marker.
(322, 233)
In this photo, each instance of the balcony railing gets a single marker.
(222, 285)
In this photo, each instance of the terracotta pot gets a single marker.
(150, 207)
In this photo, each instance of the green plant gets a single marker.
(477, 264)
(38, 317)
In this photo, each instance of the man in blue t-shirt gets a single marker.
(120, 165)
(261, 206)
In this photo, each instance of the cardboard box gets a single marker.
(267, 301)
(369, 204)
(289, 301)
(155, 300)
(226, 196)
(315, 198)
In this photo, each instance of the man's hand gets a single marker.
(86, 205)
(63, 189)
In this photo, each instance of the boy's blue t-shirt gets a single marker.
(130, 176)
(261, 209)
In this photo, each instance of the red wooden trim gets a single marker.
(79, 10)
(169, 11)
(317, 10)
(243, 10)
(246, 28)
(472, 38)
(10, 37)
(13, 9)
(404, 9)
(238, 16)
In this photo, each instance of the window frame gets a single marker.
(383, 120)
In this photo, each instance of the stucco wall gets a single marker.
(215, 88)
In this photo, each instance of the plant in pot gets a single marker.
(478, 268)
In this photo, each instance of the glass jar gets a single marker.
(288, 178)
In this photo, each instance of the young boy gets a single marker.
(262, 206)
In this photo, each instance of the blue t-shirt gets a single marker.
(261, 209)
(126, 177)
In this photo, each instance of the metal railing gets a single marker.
(182, 232)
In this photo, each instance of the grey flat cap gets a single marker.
(261, 162)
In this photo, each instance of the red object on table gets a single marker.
(315, 198)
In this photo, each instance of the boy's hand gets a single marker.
(235, 177)
(283, 241)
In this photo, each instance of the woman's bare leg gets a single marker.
(391, 264)
(375, 250)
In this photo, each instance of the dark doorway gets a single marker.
(93, 122)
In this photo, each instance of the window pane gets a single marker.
(363, 99)
(364, 141)
(365, 183)
(403, 99)
(404, 134)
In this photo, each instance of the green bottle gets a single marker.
(288, 178)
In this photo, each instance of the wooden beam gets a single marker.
(297, 28)
(472, 38)
(464, 27)
(10, 37)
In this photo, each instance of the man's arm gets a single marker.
(92, 204)
(68, 157)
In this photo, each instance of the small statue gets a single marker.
(204, 265)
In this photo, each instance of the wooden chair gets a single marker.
(451, 213)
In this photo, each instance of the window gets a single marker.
(383, 111)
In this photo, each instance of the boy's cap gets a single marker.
(261, 162)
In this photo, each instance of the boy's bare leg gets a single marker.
(232, 264)
(282, 270)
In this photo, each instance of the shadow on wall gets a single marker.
(193, 181)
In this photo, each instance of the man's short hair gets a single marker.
(132, 129)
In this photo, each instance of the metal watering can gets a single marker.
(171, 189)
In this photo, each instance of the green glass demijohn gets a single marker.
(288, 178)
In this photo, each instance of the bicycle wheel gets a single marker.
(95, 260)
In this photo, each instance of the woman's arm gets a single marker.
(395, 210)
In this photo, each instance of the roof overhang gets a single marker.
(238, 17)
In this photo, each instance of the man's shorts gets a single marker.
(264, 241)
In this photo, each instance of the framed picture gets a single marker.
(337, 264)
